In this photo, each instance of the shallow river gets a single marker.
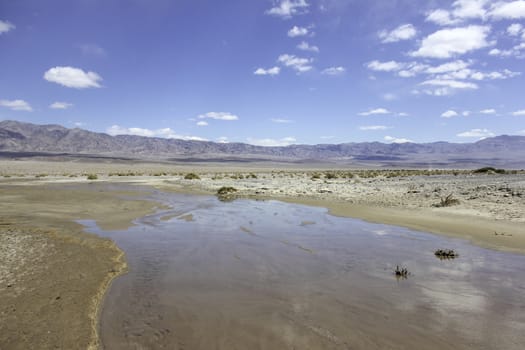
(271, 275)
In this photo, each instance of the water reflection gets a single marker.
(265, 274)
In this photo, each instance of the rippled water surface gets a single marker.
(271, 275)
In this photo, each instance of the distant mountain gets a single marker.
(25, 139)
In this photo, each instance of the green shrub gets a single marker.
(92, 177)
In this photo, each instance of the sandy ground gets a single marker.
(53, 276)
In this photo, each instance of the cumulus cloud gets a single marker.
(73, 77)
(514, 29)
(441, 17)
(60, 105)
(202, 123)
(375, 111)
(307, 47)
(163, 133)
(508, 10)
(288, 8)
(488, 111)
(270, 71)
(446, 43)
(222, 139)
(393, 139)
(297, 63)
(219, 116)
(16, 105)
(403, 32)
(461, 11)
(296, 31)
(286, 141)
(479, 133)
(453, 84)
(373, 127)
(334, 71)
(5, 26)
(448, 67)
(449, 114)
(389, 66)
(519, 113)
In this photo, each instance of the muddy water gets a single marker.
(270, 275)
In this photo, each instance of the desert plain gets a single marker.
(53, 275)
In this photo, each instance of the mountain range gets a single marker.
(18, 139)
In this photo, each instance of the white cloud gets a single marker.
(334, 71)
(60, 105)
(286, 141)
(373, 127)
(465, 113)
(514, 29)
(375, 111)
(73, 77)
(92, 49)
(488, 111)
(519, 113)
(390, 66)
(270, 71)
(219, 116)
(453, 84)
(462, 10)
(449, 114)
(281, 121)
(480, 133)
(288, 8)
(389, 96)
(5, 26)
(297, 63)
(508, 10)
(163, 133)
(202, 123)
(505, 74)
(403, 32)
(307, 47)
(396, 139)
(466, 9)
(223, 139)
(16, 105)
(441, 17)
(297, 31)
(446, 43)
(448, 67)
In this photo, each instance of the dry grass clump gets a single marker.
(401, 272)
(447, 201)
(92, 176)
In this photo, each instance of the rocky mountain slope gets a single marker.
(18, 137)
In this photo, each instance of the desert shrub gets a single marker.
(226, 193)
(41, 175)
(489, 170)
(251, 176)
(447, 201)
(330, 176)
(401, 272)
(92, 177)
(191, 176)
(316, 176)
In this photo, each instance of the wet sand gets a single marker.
(53, 275)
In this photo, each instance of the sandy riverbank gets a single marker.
(53, 276)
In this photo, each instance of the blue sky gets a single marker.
(267, 72)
